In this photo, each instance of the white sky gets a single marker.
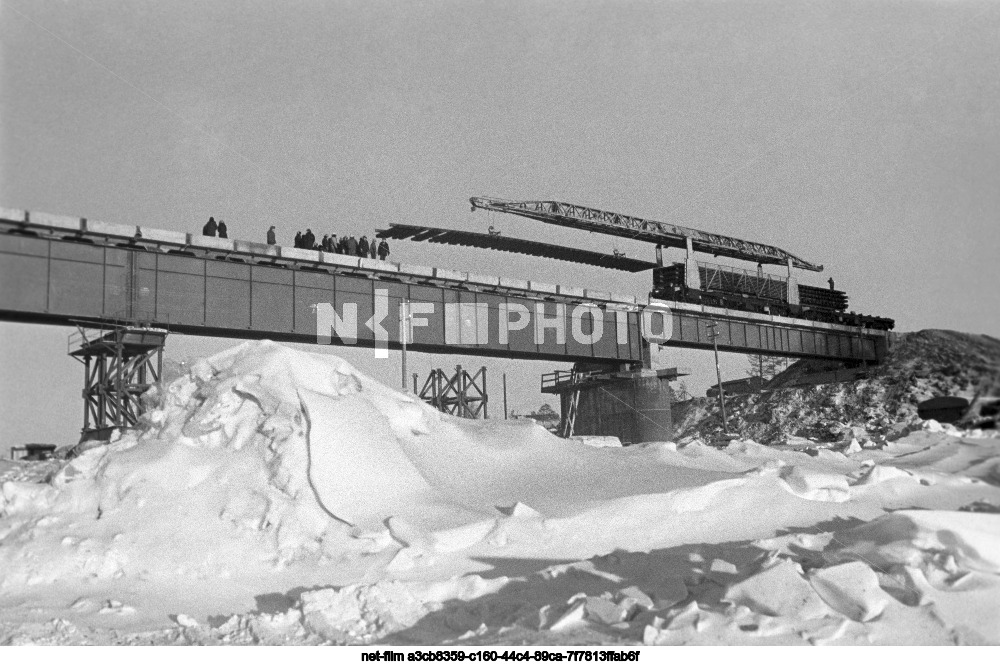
(860, 135)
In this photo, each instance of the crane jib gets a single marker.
(637, 228)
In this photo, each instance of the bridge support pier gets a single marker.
(120, 364)
(462, 394)
(631, 404)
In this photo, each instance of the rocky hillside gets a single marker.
(921, 365)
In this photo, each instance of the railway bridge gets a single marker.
(75, 271)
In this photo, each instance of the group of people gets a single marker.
(329, 243)
(213, 228)
(347, 245)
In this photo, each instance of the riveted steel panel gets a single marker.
(180, 264)
(808, 342)
(180, 298)
(271, 307)
(18, 244)
(581, 321)
(23, 282)
(361, 303)
(78, 251)
(227, 303)
(76, 288)
(306, 300)
(550, 341)
(634, 335)
(430, 330)
(227, 269)
(738, 331)
(313, 280)
(493, 303)
(269, 275)
(359, 285)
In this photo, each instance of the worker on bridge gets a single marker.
(271, 237)
(210, 227)
(383, 249)
(363, 247)
(831, 283)
(223, 231)
(352, 246)
(308, 240)
(298, 239)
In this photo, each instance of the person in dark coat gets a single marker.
(352, 246)
(383, 249)
(272, 239)
(373, 248)
(308, 240)
(223, 231)
(363, 247)
(298, 239)
(334, 244)
(210, 228)
(325, 243)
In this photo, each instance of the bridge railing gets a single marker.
(89, 332)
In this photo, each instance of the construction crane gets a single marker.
(659, 233)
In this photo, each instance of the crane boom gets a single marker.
(661, 233)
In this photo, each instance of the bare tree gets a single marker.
(680, 393)
(765, 367)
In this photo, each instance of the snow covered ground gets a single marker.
(281, 497)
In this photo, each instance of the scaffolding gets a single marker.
(120, 364)
(462, 394)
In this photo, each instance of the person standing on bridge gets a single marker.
(271, 238)
(308, 240)
(383, 249)
(324, 244)
(223, 231)
(210, 227)
(831, 283)
(363, 247)
(352, 246)
(372, 249)
(298, 239)
(334, 244)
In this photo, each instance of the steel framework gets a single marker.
(120, 364)
(462, 394)
(716, 277)
(627, 226)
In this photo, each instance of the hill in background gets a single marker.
(921, 365)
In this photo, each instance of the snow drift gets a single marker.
(280, 496)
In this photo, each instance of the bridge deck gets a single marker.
(61, 270)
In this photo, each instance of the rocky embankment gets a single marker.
(921, 365)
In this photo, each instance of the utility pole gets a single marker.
(505, 395)
(404, 326)
(714, 334)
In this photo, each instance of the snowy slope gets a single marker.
(278, 496)
(924, 364)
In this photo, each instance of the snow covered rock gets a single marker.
(852, 589)
(815, 485)
(780, 590)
